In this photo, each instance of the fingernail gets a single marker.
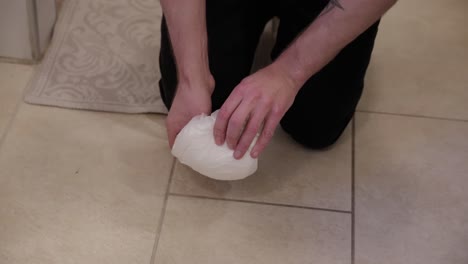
(237, 154)
(218, 140)
(255, 154)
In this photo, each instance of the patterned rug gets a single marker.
(103, 56)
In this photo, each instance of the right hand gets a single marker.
(189, 101)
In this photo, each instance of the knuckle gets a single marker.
(244, 81)
(231, 133)
(244, 86)
(261, 145)
(218, 130)
(268, 133)
(257, 97)
(223, 114)
(231, 139)
(251, 131)
(219, 133)
(242, 147)
(237, 91)
(240, 89)
(235, 122)
(276, 110)
(266, 100)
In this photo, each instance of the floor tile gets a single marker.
(419, 64)
(208, 231)
(287, 174)
(411, 182)
(13, 80)
(81, 187)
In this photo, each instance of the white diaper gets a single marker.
(195, 147)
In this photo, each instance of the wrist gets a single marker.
(294, 75)
(197, 81)
(193, 69)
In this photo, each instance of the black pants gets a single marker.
(324, 105)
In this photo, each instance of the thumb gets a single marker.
(171, 132)
(173, 129)
(171, 138)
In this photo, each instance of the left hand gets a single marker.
(260, 99)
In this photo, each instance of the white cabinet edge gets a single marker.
(26, 28)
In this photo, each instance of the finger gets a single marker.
(237, 123)
(223, 117)
(173, 129)
(171, 134)
(268, 131)
(250, 131)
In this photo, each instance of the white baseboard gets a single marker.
(25, 28)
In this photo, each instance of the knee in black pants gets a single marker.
(321, 136)
(314, 140)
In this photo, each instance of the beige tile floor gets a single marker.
(422, 54)
(88, 187)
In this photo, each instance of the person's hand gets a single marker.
(257, 103)
(189, 101)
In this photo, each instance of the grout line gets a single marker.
(10, 122)
(415, 116)
(259, 203)
(163, 214)
(353, 187)
(16, 108)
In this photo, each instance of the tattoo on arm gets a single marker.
(331, 5)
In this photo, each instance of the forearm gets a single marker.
(186, 21)
(338, 24)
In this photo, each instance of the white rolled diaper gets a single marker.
(195, 147)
